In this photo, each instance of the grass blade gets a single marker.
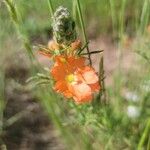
(83, 29)
(144, 16)
(144, 136)
(50, 7)
(18, 23)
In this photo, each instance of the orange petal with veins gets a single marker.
(82, 92)
(58, 73)
(60, 86)
(90, 76)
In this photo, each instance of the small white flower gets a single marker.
(133, 111)
(132, 96)
(146, 86)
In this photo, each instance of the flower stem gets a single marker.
(83, 29)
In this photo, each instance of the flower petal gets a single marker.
(60, 86)
(95, 87)
(67, 94)
(58, 73)
(90, 75)
(82, 92)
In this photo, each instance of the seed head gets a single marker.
(63, 26)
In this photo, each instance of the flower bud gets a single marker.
(63, 26)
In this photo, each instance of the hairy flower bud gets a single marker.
(63, 26)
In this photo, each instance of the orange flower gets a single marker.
(63, 71)
(75, 79)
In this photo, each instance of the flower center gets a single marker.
(63, 60)
(70, 78)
